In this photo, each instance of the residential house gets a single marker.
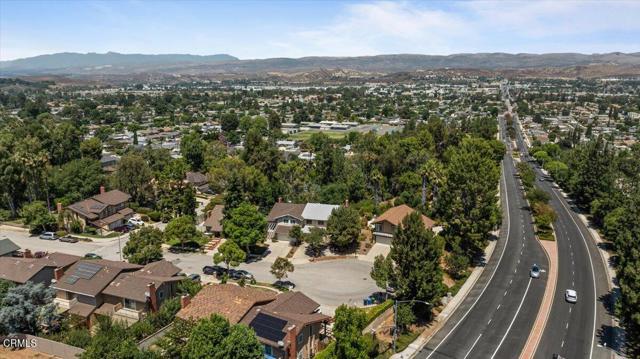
(37, 270)
(106, 211)
(213, 222)
(121, 290)
(283, 216)
(289, 325)
(385, 225)
(199, 181)
(8, 248)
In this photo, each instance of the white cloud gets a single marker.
(474, 26)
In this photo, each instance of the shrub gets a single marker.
(78, 337)
(75, 226)
(144, 218)
(144, 210)
(61, 233)
(155, 216)
(5, 215)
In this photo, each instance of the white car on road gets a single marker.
(571, 296)
(136, 221)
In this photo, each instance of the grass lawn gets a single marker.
(304, 135)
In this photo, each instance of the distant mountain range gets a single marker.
(115, 64)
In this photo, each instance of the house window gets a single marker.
(129, 303)
(300, 338)
(161, 295)
(378, 227)
(321, 223)
(268, 350)
(308, 221)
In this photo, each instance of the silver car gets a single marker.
(535, 271)
(571, 296)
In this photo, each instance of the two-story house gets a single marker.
(386, 224)
(283, 216)
(121, 290)
(289, 325)
(106, 211)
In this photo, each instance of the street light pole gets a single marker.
(395, 317)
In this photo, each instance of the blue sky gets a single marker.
(262, 29)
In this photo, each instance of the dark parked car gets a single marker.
(238, 274)
(68, 239)
(284, 284)
(213, 270)
(194, 277)
(92, 256)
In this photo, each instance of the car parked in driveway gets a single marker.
(194, 277)
(213, 270)
(50, 236)
(571, 296)
(68, 239)
(239, 274)
(535, 271)
(92, 256)
(135, 221)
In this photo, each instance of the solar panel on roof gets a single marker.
(87, 270)
(268, 327)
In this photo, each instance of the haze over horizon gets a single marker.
(251, 30)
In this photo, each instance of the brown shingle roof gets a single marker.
(89, 208)
(230, 301)
(196, 178)
(112, 197)
(214, 219)
(133, 285)
(396, 214)
(21, 270)
(161, 268)
(109, 271)
(281, 209)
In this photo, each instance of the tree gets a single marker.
(382, 271)
(230, 254)
(28, 308)
(77, 180)
(416, 253)
(214, 338)
(38, 217)
(347, 329)
(296, 233)
(144, 246)
(91, 148)
(537, 195)
(405, 316)
(245, 225)
(176, 338)
(315, 241)
(343, 227)
(133, 176)
(280, 267)
(192, 148)
(175, 198)
(112, 341)
(183, 230)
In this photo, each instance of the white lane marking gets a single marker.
(518, 261)
(570, 309)
(489, 322)
(474, 344)
(512, 320)
(593, 274)
(562, 344)
(498, 306)
(506, 196)
(505, 293)
(566, 326)
(511, 281)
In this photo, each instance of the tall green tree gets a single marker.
(192, 148)
(245, 225)
(416, 253)
(133, 176)
(230, 254)
(280, 267)
(215, 338)
(343, 227)
(28, 308)
(347, 329)
(144, 246)
(183, 229)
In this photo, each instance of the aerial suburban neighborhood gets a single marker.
(347, 206)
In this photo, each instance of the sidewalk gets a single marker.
(448, 309)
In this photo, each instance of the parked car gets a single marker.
(213, 270)
(92, 256)
(239, 274)
(135, 221)
(50, 236)
(123, 229)
(284, 284)
(535, 271)
(256, 257)
(571, 296)
(68, 239)
(40, 254)
(194, 277)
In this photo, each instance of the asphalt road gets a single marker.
(495, 319)
(584, 329)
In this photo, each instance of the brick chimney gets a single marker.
(59, 207)
(58, 273)
(293, 343)
(27, 253)
(185, 300)
(101, 189)
(153, 298)
(279, 199)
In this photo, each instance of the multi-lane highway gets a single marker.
(581, 330)
(495, 319)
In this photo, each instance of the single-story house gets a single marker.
(385, 225)
(8, 248)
